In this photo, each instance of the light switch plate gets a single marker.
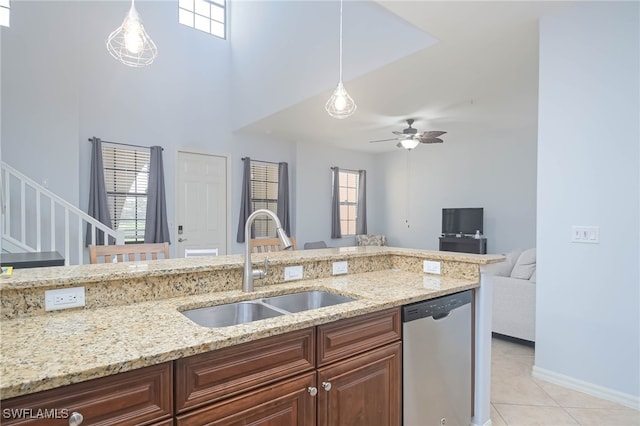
(340, 268)
(585, 234)
(293, 273)
(431, 267)
(64, 298)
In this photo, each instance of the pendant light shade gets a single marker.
(340, 105)
(130, 43)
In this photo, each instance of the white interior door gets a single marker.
(201, 196)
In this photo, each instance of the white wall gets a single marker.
(588, 295)
(314, 191)
(68, 88)
(286, 51)
(476, 166)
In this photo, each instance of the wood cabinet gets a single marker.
(343, 373)
(210, 377)
(364, 390)
(286, 403)
(355, 381)
(138, 397)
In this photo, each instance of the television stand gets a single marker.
(464, 244)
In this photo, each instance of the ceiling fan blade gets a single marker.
(396, 132)
(384, 140)
(431, 140)
(432, 134)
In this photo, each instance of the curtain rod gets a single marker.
(262, 161)
(124, 144)
(347, 170)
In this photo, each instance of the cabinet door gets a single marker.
(285, 403)
(362, 391)
(138, 397)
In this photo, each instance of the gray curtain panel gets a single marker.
(283, 197)
(98, 205)
(157, 223)
(245, 200)
(335, 204)
(361, 219)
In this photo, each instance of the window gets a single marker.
(264, 195)
(5, 13)
(204, 15)
(348, 184)
(126, 175)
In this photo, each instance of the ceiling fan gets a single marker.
(410, 137)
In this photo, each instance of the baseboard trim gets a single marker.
(598, 391)
(487, 423)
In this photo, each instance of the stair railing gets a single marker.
(36, 219)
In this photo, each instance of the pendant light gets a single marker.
(340, 105)
(130, 44)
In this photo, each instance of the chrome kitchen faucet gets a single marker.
(249, 272)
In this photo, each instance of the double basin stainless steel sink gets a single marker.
(268, 307)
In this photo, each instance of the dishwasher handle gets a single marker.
(441, 316)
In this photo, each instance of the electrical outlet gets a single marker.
(431, 267)
(64, 298)
(293, 273)
(340, 268)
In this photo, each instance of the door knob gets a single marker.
(75, 419)
(181, 240)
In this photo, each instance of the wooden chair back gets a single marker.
(264, 245)
(127, 252)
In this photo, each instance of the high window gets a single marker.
(5, 13)
(126, 175)
(204, 15)
(264, 195)
(349, 181)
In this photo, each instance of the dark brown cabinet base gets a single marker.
(364, 390)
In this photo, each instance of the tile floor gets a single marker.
(519, 399)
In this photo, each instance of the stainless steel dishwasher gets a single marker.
(437, 363)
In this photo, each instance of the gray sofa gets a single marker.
(514, 294)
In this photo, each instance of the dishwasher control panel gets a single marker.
(438, 307)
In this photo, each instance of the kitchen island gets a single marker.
(132, 318)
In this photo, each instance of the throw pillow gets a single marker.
(526, 265)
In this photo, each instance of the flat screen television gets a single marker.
(465, 221)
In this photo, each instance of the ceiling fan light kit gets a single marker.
(130, 44)
(340, 105)
(409, 143)
(409, 138)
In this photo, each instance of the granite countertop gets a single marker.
(48, 351)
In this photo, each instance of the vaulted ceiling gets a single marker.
(445, 63)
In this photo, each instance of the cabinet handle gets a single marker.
(312, 390)
(75, 419)
(181, 240)
(326, 386)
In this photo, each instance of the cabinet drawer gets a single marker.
(138, 397)
(212, 376)
(287, 403)
(341, 339)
